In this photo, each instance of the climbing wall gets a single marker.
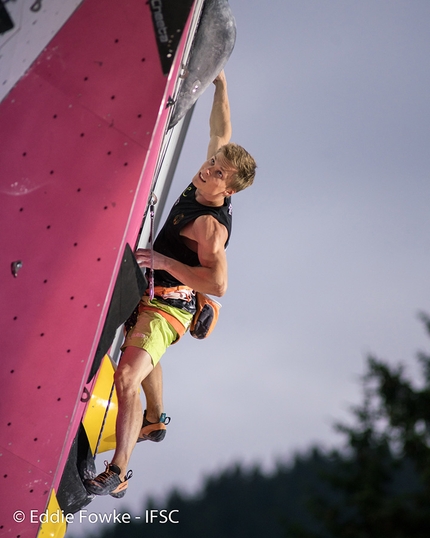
(79, 139)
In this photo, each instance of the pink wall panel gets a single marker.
(22, 487)
(121, 46)
(75, 175)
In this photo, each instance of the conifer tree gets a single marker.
(383, 475)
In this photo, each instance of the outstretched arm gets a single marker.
(219, 122)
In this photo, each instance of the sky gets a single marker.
(328, 260)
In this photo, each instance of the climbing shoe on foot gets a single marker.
(153, 431)
(108, 482)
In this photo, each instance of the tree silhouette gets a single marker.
(383, 475)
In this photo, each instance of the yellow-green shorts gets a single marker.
(152, 331)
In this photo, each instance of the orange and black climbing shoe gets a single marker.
(153, 431)
(109, 482)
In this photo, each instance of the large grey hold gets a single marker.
(213, 44)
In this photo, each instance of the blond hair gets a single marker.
(243, 162)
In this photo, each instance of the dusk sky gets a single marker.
(329, 255)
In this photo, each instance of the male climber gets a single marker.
(189, 256)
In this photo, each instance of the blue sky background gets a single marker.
(329, 255)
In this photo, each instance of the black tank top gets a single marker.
(169, 241)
